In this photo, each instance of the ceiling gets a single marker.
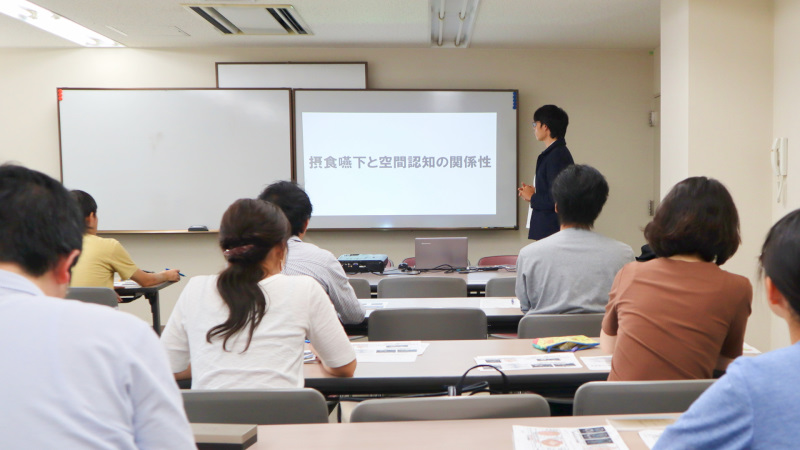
(595, 24)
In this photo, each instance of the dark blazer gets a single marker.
(550, 163)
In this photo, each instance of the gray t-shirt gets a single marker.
(569, 272)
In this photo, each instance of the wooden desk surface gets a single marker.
(444, 362)
(444, 434)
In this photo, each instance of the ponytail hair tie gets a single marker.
(235, 252)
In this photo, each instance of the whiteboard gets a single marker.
(292, 75)
(165, 160)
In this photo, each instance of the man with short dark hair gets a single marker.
(572, 270)
(307, 259)
(75, 375)
(549, 126)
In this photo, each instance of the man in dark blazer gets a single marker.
(550, 126)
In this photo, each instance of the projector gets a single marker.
(357, 263)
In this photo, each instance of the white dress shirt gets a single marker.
(308, 259)
(78, 375)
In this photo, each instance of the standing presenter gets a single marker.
(550, 126)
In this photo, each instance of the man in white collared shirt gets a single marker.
(307, 259)
(75, 375)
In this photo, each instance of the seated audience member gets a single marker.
(75, 375)
(755, 404)
(101, 257)
(680, 316)
(246, 327)
(572, 270)
(308, 259)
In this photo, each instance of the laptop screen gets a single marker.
(431, 253)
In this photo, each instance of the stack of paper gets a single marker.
(499, 302)
(597, 362)
(527, 362)
(535, 438)
(389, 351)
(127, 284)
(372, 306)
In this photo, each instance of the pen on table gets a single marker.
(178, 272)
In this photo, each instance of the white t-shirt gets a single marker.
(297, 308)
(82, 376)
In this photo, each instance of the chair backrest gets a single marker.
(637, 397)
(546, 325)
(260, 407)
(421, 287)
(426, 324)
(361, 287)
(501, 287)
(498, 260)
(410, 261)
(99, 295)
(451, 408)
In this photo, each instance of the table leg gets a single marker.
(155, 310)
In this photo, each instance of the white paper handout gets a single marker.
(597, 362)
(749, 349)
(127, 284)
(499, 302)
(372, 306)
(596, 437)
(389, 351)
(528, 362)
(650, 437)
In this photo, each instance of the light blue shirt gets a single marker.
(82, 376)
(307, 259)
(756, 405)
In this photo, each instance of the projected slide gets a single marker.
(415, 159)
(435, 152)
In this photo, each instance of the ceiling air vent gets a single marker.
(252, 19)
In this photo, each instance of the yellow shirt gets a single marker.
(98, 261)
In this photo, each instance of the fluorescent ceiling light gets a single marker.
(53, 23)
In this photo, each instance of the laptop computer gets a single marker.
(431, 253)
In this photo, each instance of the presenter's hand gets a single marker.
(526, 191)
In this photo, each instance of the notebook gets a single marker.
(431, 253)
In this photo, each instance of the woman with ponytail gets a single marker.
(246, 327)
(755, 404)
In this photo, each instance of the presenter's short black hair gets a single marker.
(293, 200)
(697, 217)
(580, 192)
(85, 201)
(39, 220)
(555, 118)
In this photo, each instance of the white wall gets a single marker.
(719, 102)
(674, 83)
(785, 121)
(608, 95)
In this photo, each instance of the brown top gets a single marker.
(673, 319)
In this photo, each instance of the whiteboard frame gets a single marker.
(290, 122)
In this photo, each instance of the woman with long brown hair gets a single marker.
(246, 327)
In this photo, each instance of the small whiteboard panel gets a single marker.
(164, 160)
(292, 75)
